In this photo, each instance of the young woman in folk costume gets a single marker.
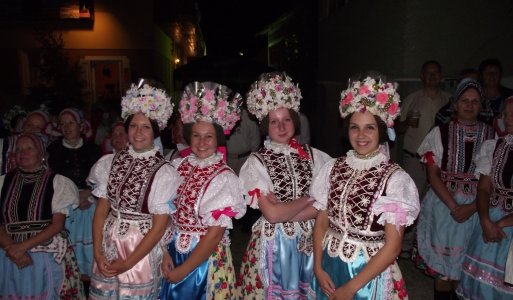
(447, 216)
(485, 261)
(134, 187)
(198, 261)
(36, 257)
(278, 261)
(365, 201)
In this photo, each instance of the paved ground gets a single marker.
(420, 287)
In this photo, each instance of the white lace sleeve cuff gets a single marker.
(222, 201)
(484, 157)
(432, 144)
(401, 204)
(99, 176)
(163, 190)
(255, 180)
(65, 195)
(320, 186)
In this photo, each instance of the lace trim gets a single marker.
(364, 164)
(291, 230)
(347, 246)
(142, 155)
(279, 148)
(206, 162)
(69, 146)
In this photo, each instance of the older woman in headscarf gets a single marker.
(447, 216)
(36, 259)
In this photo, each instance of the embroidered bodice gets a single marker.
(460, 143)
(352, 194)
(502, 174)
(26, 202)
(129, 184)
(196, 179)
(291, 177)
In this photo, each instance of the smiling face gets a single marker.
(27, 155)
(281, 126)
(140, 132)
(203, 139)
(70, 127)
(363, 132)
(468, 105)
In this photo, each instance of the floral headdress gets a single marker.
(211, 102)
(273, 91)
(380, 98)
(154, 103)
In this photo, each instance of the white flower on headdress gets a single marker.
(152, 102)
(381, 99)
(273, 91)
(211, 102)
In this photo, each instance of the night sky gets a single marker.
(229, 26)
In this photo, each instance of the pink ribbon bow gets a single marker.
(227, 211)
(400, 214)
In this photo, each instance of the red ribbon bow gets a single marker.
(227, 211)
(302, 153)
(254, 194)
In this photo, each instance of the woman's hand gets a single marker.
(176, 274)
(325, 283)
(84, 199)
(24, 261)
(102, 263)
(345, 292)
(167, 264)
(117, 267)
(461, 213)
(492, 232)
(15, 251)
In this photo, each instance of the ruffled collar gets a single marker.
(69, 146)
(142, 155)
(278, 148)
(205, 162)
(364, 164)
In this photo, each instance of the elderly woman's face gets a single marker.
(70, 127)
(203, 139)
(28, 157)
(34, 123)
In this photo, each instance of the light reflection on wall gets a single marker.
(186, 41)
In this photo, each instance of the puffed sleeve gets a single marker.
(401, 204)
(484, 157)
(320, 158)
(65, 195)
(320, 185)
(222, 200)
(99, 176)
(163, 190)
(255, 180)
(431, 148)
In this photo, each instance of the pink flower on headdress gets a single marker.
(392, 110)
(221, 103)
(347, 99)
(204, 109)
(363, 90)
(220, 114)
(209, 95)
(382, 98)
(278, 87)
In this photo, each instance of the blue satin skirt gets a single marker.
(341, 272)
(194, 285)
